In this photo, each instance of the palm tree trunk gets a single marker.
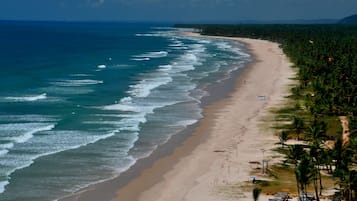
(298, 188)
(297, 183)
(319, 174)
(316, 188)
(320, 178)
(305, 190)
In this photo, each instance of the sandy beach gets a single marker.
(216, 157)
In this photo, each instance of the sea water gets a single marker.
(82, 102)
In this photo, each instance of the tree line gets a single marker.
(326, 59)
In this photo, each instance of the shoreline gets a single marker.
(206, 156)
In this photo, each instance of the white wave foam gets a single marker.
(186, 62)
(122, 66)
(106, 115)
(227, 47)
(165, 68)
(28, 118)
(145, 86)
(126, 100)
(241, 53)
(223, 45)
(28, 135)
(197, 48)
(139, 110)
(7, 145)
(146, 35)
(146, 97)
(133, 128)
(76, 83)
(27, 98)
(70, 90)
(187, 122)
(140, 59)
(180, 48)
(3, 184)
(176, 44)
(80, 75)
(102, 66)
(132, 122)
(138, 117)
(204, 41)
(102, 122)
(3, 152)
(190, 58)
(154, 34)
(122, 107)
(159, 54)
(57, 145)
(130, 162)
(22, 132)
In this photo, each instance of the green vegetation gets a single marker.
(323, 105)
(284, 181)
(256, 193)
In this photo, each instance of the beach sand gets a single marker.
(213, 162)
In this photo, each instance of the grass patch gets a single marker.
(283, 180)
(333, 126)
(233, 191)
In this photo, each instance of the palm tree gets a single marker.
(327, 159)
(295, 153)
(283, 138)
(341, 160)
(314, 153)
(316, 133)
(305, 172)
(256, 193)
(298, 125)
(348, 178)
(349, 185)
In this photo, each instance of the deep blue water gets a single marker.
(81, 102)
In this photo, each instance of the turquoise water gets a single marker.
(82, 102)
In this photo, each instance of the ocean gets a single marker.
(80, 103)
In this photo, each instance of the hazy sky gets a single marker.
(175, 10)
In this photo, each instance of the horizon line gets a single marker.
(280, 21)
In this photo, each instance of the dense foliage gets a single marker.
(326, 59)
(325, 54)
